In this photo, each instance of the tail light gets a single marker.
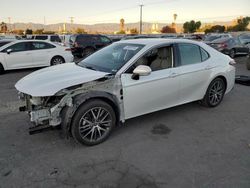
(222, 45)
(232, 62)
(68, 49)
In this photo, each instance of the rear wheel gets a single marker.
(1, 69)
(248, 62)
(215, 93)
(57, 60)
(93, 122)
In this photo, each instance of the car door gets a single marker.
(195, 69)
(150, 93)
(19, 55)
(42, 53)
(240, 47)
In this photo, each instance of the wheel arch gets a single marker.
(223, 78)
(68, 113)
(55, 57)
(2, 66)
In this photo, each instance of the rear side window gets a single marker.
(192, 54)
(41, 45)
(204, 55)
(41, 37)
(104, 39)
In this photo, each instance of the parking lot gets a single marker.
(185, 146)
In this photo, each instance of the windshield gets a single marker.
(110, 59)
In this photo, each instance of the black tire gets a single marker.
(57, 60)
(88, 51)
(248, 62)
(232, 53)
(214, 96)
(1, 69)
(89, 129)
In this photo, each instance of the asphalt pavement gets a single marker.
(183, 147)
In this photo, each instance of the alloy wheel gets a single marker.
(95, 124)
(216, 92)
(57, 61)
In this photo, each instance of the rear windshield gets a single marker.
(41, 37)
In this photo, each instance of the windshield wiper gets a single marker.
(89, 67)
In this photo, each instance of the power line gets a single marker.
(129, 8)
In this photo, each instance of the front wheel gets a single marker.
(93, 122)
(215, 93)
(1, 69)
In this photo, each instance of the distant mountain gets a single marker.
(97, 28)
(100, 28)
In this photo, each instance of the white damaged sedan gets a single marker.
(124, 80)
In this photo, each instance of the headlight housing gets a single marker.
(36, 101)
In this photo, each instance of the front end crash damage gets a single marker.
(47, 112)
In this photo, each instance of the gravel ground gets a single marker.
(185, 146)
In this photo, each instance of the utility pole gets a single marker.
(71, 22)
(44, 22)
(9, 19)
(141, 18)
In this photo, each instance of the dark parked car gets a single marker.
(230, 46)
(211, 37)
(51, 38)
(248, 62)
(83, 45)
(245, 39)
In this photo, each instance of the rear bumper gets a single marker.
(230, 76)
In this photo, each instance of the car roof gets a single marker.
(157, 41)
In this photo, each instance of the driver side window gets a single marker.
(19, 47)
(157, 59)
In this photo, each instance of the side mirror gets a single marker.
(141, 70)
(9, 51)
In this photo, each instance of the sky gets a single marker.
(111, 11)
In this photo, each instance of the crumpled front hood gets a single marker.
(48, 81)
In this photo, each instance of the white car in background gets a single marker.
(127, 79)
(51, 38)
(32, 53)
